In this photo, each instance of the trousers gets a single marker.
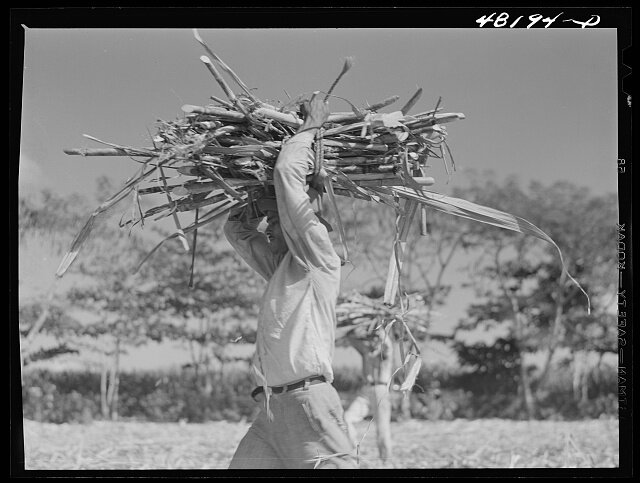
(307, 431)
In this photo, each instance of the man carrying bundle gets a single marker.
(301, 424)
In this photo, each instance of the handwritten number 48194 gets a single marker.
(502, 19)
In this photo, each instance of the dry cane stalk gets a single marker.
(225, 67)
(379, 105)
(181, 235)
(214, 111)
(193, 252)
(348, 62)
(397, 255)
(232, 97)
(407, 107)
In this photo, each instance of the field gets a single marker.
(489, 443)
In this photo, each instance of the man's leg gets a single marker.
(313, 434)
(357, 411)
(254, 450)
(381, 406)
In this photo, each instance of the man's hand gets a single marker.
(316, 112)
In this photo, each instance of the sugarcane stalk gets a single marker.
(216, 178)
(108, 152)
(397, 256)
(412, 122)
(437, 105)
(207, 218)
(424, 226)
(143, 152)
(341, 117)
(181, 235)
(82, 236)
(379, 105)
(352, 145)
(407, 107)
(227, 90)
(370, 183)
(285, 118)
(214, 111)
(193, 252)
(371, 176)
(358, 160)
(213, 200)
(226, 104)
(225, 67)
(348, 62)
(442, 118)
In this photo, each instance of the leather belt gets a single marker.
(288, 387)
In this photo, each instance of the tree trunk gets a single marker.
(527, 394)
(42, 318)
(27, 341)
(528, 398)
(578, 370)
(104, 406)
(113, 382)
(556, 334)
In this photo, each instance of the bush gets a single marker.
(173, 396)
(60, 397)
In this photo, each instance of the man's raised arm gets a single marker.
(307, 238)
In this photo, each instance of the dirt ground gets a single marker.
(488, 443)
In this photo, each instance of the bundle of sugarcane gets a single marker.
(360, 316)
(221, 155)
(366, 318)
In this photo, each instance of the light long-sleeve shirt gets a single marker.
(297, 320)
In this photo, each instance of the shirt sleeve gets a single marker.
(252, 245)
(308, 239)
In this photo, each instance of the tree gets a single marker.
(45, 222)
(161, 302)
(218, 310)
(520, 281)
(112, 308)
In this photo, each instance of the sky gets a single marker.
(540, 104)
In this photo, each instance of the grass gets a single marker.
(488, 443)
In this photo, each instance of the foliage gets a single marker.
(224, 292)
(174, 395)
(61, 397)
(110, 309)
(489, 369)
(49, 215)
(520, 284)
